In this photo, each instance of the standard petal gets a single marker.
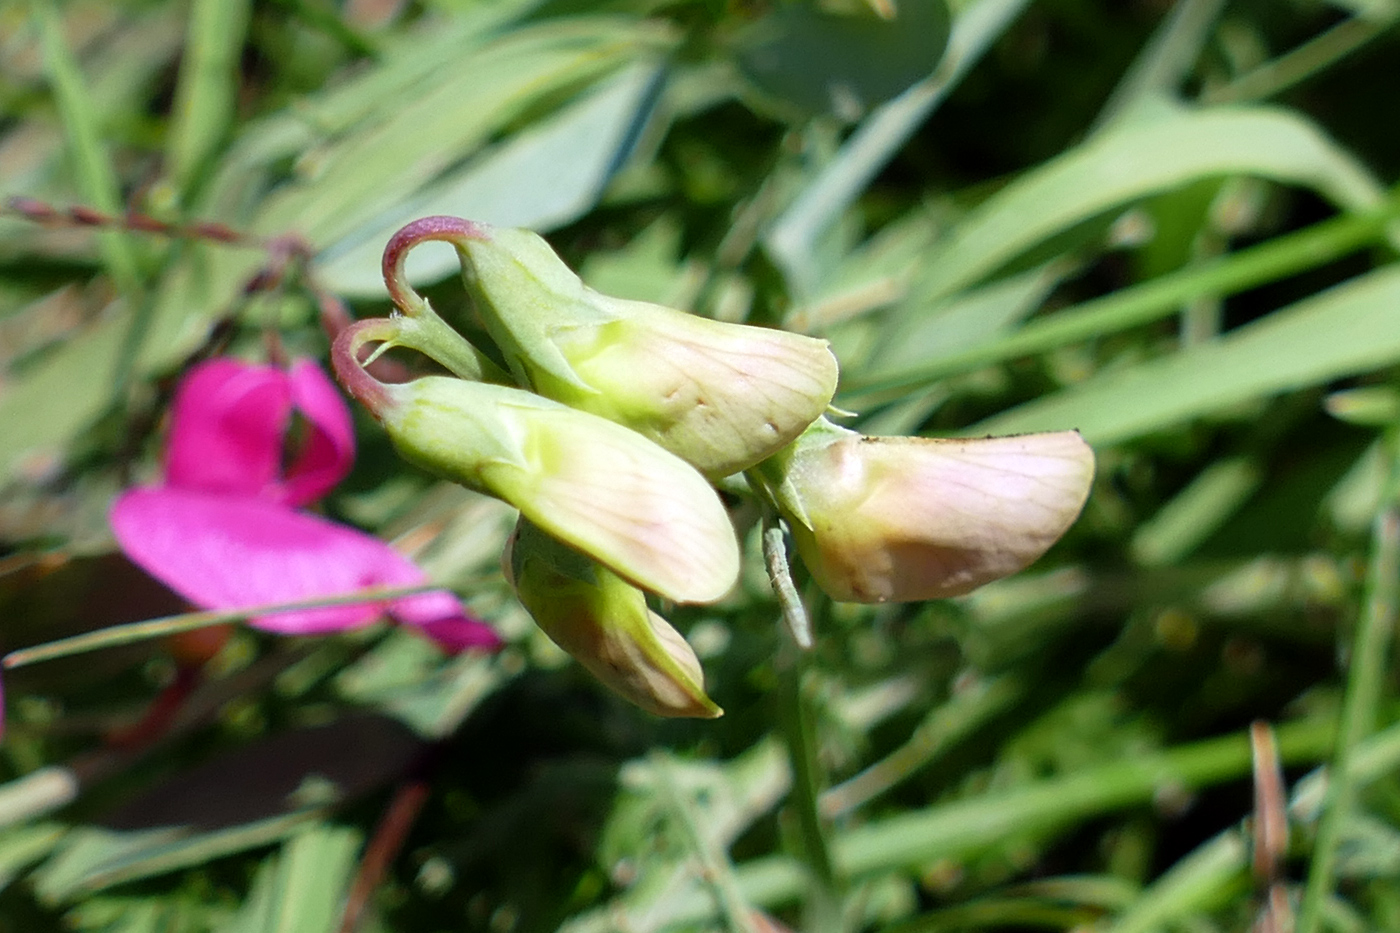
(599, 487)
(720, 396)
(329, 450)
(908, 518)
(628, 503)
(223, 552)
(226, 428)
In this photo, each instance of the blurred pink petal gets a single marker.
(329, 451)
(452, 634)
(231, 552)
(226, 428)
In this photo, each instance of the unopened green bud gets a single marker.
(899, 519)
(721, 396)
(604, 622)
(605, 490)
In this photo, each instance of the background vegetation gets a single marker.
(1169, 225)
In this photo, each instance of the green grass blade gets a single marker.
(1141, 304)
(1370, 659)
(207, 88)
(1165, 62)
(1189, 882)
(97, 180)
(1352, 328)
(792, 237)
(1137, 160)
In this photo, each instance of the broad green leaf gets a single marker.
(844, 62)
(58, 397)
(545, 176)
(374, 168)
(1352, 328)
(792, 238)
(1136, 160)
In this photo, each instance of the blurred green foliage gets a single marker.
(1170, 225)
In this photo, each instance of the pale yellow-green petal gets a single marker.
(903, 519)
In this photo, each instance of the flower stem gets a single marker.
(823, 912)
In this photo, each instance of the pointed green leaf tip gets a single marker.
(720, 396)
(604, 623)
(607, 491)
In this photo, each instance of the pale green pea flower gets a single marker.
(899, 519)
(605, 624)
(601, 488)
(721, 396)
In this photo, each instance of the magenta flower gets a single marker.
(225, 532)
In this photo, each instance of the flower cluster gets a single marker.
(611, 421)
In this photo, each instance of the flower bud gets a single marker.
(879, 519)
(721, 396)
(608, 491)
(604, 623)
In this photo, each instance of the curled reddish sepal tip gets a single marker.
(227, 534)
(438, 227)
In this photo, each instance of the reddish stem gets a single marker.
(383, 847)
(160, 715)
(79, 216)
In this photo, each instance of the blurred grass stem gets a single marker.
(188, 621)
(963, 713)
(92, 166)
(1370, 657)
(1310, 58)
(716, 869)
